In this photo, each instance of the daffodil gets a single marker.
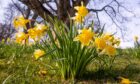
(20, 21)
(106, 36)
(8, 39)
(81, 10)
(110, 50)
(100, 43)
(116, 42)
(85, 36)
(38, 31)
(106, 43)
(111, 40)
(21, 37)
(32, 33)
(41, 27)
(135, 38)
(125, 81)
(78, 18)
(38, 53)
(3, 41)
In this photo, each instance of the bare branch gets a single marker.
(18, 7)
(52, 9)
(98, 19)
(38, 8)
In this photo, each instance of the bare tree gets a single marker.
(53, 8)
(6, 28)
(63, 8)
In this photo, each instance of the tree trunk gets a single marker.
(65, 9)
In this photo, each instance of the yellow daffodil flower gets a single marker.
(38, 31)
(125, 81)
(100, 43)
(116, 42)
(20, 37)
(41, 27)
(32, 33)
(20, 22)
(81, 10)
(8, 39)
(106, 36)
(135, 38)
(3, 41)
(111, 40)
(107, 43)
(78, 18)
(38, 53)
(85, 37)
(110, 50)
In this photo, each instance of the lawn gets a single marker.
(67, 46)
(18, 66)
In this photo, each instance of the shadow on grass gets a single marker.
(131, 71)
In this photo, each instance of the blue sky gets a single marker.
(3, 4)
(133, 26)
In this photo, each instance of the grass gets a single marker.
(18, 66)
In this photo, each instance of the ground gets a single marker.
(18, 66)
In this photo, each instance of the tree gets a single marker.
(6, 28)
(63, 8)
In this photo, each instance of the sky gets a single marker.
(3, 4)
(133, 25)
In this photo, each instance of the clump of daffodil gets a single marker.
(82, 11)
(38, 53)
(31, 33)
(85, 36)
(21, 37)
(20, 21)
